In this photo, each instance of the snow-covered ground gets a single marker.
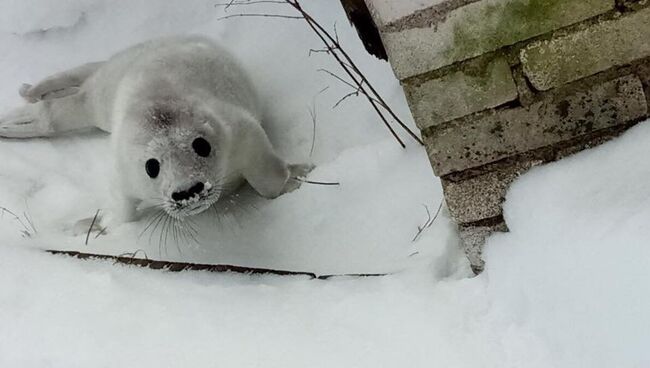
(567, 287)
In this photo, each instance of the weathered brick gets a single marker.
(569, 57)
(387, 12)
(475, 87)
(481, 197)
(421, 44)
(473, 239)
(526, 94)
(632, 4)
(477, 140)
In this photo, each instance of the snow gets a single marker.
(565, 288)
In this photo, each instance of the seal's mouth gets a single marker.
(193, 205)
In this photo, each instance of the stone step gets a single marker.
(476, 86)
(455, 30)
(479, 197)
(566, 58)
(482, 138)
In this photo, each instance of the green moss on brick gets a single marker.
(500, 24)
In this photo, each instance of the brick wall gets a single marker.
(499, 86)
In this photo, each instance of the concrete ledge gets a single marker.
(477, 194)
(481, 197)
(415, 47)
(560, 60)
(473, 238)
(475, 87)
(477, 140)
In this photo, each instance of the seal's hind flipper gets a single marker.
(25, 92)
(60, 84)
(24, 122)
(47, 118)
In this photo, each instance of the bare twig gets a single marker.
(130, 255)
(325, 36)
(315, 182)
(90, 228)
(28, 229)
(316, 51)
(252, 2)
(101, 232)
(427, 224)
(312, 113)
(333, 75)
(256, 15)
(359, 81)
(340, 101)
(29, 220)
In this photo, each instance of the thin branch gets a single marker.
(101, 232)
(255, 15)
(131, 255)
(427, 224)
(355, 93)
(357, 89)
(244, 3)
(333, 75)
(316, 51)
(315, 182)
(312, 113)
(28, 229)
(317, 27)
(332, 46)
(29, 221)
(92, 224)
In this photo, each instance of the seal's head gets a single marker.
(182, 162)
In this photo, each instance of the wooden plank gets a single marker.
(183, 266)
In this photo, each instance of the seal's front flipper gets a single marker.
(122, 210)
(89, 225)
(264, 170)
(60, 84)
(297, 172)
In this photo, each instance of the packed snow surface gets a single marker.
(567, 287)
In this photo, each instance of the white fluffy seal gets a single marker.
(184, 119)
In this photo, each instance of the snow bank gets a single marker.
(576, 260)
(566, 288)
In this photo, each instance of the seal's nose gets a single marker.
(187, 194)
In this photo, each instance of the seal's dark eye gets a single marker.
(201, 147)
(152, 166)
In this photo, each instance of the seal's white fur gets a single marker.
(156, 98)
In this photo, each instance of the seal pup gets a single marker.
(184, 119)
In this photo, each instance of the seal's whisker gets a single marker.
(175, 231)
(168, 224)
(183, 233)
(159, 220)
(192, 233)
(161, 236)
(150, 222)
